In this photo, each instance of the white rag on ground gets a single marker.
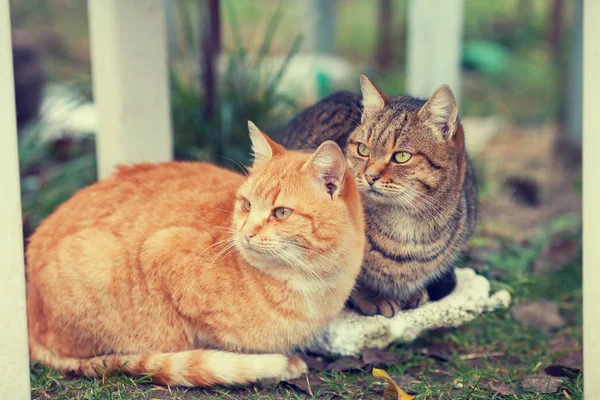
(350, 332)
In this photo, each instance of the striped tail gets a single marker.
(193, 368)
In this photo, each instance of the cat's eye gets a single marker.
(282, 213)
(363, 150)
(246, 205)
(402, 157)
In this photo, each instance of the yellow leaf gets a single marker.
(393, 391)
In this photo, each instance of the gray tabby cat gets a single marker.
(408, 158)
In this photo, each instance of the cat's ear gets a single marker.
(373, 99)
(441, 110)
(263, 148)
(327, 165)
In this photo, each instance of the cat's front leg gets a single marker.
(373, 305)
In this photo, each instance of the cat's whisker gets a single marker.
(220, 242)
(228, 229)
(232, 250)
(351, 119)
(239, 164)
(226, 211)
(429, 200)
(229, 246)
(328, 258)
(354, 104)
(303, 265)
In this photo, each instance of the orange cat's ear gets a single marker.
(327, 166)
(263, 148)
(441, 110)
(373, 99)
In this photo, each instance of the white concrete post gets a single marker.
(320, 32)
(131, 83)
(14, 355)
(434, 46)
(591, 201)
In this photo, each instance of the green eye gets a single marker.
(246, 206)
(282, 213)
(363, 150)
(402, 157)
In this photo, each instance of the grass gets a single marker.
(528, 92)
(494, 349)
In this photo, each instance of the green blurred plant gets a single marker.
(52, 170)
(247, 90)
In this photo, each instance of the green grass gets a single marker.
(514, 351)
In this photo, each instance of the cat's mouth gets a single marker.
(371, 190)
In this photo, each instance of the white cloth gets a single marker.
(350, 332)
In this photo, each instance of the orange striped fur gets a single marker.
(161, 269)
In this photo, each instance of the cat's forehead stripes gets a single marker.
(388, 133)
(267, 184)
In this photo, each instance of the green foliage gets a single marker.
(51, 171)
(247, 90)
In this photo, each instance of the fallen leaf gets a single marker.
(541, 314)
(393, 391)
(542, 383)
(345, 364)
(501, 388)
(404, 379)
(375, 356)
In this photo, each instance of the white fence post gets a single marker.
(320, 33)
(591, 190)
(434, 46)
(131, 82)
(14, 355)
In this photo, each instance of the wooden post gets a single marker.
(591, 201)
(14, 354)
(211, 46)
(384, 56)
(131, 82)
(434, 46)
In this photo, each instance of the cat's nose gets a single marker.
(249, 236)
(371, 178)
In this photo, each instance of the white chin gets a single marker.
(371, 194)
(256, 257)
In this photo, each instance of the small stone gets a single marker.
(543, 384)
(501, 388)
(541, 314)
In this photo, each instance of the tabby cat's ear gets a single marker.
(442, 111)
(327, 165)
(373, 99)
(263, 148)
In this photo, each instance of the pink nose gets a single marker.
(371, 178)
(249, 236)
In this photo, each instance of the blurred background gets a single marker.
(519, 95)
(520, 73)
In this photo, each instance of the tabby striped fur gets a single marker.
(419, 215)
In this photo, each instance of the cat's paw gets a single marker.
(296, 367)
(379, 305)
(418, 299)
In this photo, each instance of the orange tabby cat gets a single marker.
(176, 269)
